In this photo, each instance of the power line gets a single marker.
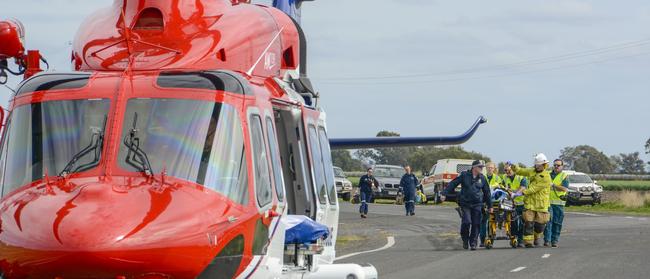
(525, 63)
(10, 88)
(492, 76)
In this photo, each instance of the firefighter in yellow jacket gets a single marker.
(536, 199)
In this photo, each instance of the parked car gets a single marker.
(343, 185)
(443, 172)
(389, 177)
(582, 189)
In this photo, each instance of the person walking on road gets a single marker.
(536, 199)
(494, 180)
(366, 185)
(474, 194)
(559, 190)
(409, 183)
(514, 183)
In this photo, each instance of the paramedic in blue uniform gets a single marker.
(366, 184)
(409, 183)
(474, 194)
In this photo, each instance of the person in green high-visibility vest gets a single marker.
(494, 181)
(514, 183)
(557, 196)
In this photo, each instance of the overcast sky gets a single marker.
(547, 74)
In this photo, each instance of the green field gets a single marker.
(354, 180)
(620, 185)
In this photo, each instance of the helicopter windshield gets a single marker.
(198, 141)
(44, 138)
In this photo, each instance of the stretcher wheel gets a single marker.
(513, 243)
(488, 244)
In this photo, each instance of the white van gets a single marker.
(445, 170)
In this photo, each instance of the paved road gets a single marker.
(428, 246)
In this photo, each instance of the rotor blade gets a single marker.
(358, 143)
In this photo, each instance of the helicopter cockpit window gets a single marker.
(198, 141)
(51, 138)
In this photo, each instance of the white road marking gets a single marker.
(391, 242)
(546, 256)
(586, 214)
(518, 269)
(629, 217)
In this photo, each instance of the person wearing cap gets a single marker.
(494, 180)
(513, 183)
(536, 199)
(474, 194)
(366, 184)
(559, 189)
(409, 183)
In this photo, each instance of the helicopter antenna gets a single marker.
(250, 72)
(7, 86)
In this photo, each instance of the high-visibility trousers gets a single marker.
(534, 224)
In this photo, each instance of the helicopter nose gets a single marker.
(97, 228)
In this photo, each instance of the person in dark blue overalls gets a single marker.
(474, 194)
(366, 184)
(409, 183)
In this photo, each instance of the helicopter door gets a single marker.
(332, 216)
(293, 157)
(318, 171)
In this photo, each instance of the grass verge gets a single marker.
(610, 207)
(344, 239)
(628, 202)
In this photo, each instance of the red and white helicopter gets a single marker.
(188, 131)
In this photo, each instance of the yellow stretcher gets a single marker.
(501, 218)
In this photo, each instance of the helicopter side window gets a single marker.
(317, 161)
(275, 158)
(260, 161)
(327, 162)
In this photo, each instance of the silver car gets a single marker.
(389, 177)
(582, 189)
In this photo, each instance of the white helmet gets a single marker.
(540, 159)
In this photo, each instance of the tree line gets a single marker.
(582, 158)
